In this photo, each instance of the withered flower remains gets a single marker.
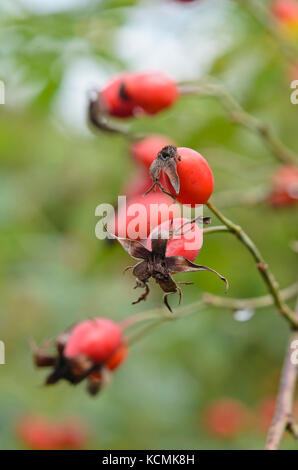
(74, 369)
(157, 265)
(166, 160)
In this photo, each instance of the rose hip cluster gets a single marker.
(183, 174)
(164, 244)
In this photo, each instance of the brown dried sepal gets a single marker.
(73, 370)
(155, 264)
(166, 161)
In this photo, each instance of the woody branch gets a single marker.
(283, 418)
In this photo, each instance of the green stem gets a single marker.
(240, 116)
(253, 302)
(263, 268)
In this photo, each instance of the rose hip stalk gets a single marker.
(88, 350)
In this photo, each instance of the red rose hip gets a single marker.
(195, 176)
(226, 418)
(152, 91)
(142, 214)
(187, 239)
(97, 339)
(284, 190)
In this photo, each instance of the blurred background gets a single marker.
(55, 171)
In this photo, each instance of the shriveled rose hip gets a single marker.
(145, 151)
(98, 339)
(111, 98)
(152, 91)
(187, 239)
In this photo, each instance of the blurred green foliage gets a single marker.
(54, 272)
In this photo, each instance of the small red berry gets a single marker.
(145, 151)
(285, 10)
(40, 433)
(143, 214)
(226, 417)
(98, 339)
(196, 178)
(152, 91)
(112, 101)
(284, 190)
(186, 241)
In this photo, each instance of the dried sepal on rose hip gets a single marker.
(182, 173)
(90, 350)
(156, 264)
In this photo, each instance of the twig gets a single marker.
(263, 268)
(241, 198)
(240, 116)
(253, 302)
(293, 428)
(215, 229)
(159, 316)
(282, 419)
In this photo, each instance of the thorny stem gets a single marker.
(283, 419)
(253, 302)
(240, 116)
(263, 268)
